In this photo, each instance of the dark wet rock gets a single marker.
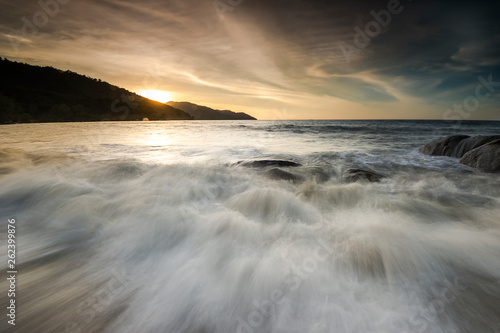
(278, 174)
(485, 158)
(353, 175)
(268, 163)
(443, 146)
(480, 152)
(456, 145)
(470, 143)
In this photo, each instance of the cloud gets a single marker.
(479, 52)
(275, 54)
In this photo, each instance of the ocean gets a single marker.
(166, 227)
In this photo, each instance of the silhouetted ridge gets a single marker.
(200, 112)
(46, 94)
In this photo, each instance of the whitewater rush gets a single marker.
(11, 263)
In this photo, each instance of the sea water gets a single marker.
(156, 227)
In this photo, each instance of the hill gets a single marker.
(46, 94)
(200, 112)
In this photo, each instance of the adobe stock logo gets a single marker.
(483, 91)
(30, 29)
(372, 29)
(300, 272)
(222, 7)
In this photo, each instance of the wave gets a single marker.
(125, 245)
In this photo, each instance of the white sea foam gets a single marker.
(116, 241)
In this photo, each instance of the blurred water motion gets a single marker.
(152, 227)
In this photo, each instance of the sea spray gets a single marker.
(136, 235)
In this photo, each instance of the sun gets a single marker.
(156, 95)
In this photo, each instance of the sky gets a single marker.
(276, 59)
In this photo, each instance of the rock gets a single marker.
(279, 174)
(443, 146)
(485, 158)
(471, 143)
(480, 152)
(267, 163)
(353, 175)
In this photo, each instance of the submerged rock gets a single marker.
(278, 174)
(443, 146)
(353, 175)
(267, 163)
(485, 158)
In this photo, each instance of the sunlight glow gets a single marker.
(156, 95)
